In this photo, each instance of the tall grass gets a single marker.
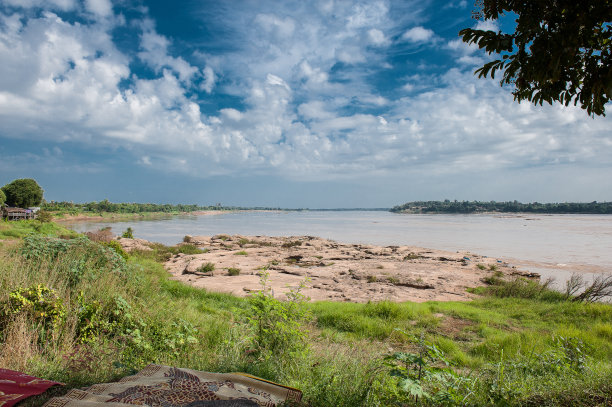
(516, 345)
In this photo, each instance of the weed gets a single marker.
(412, 256)
(241, 253)
(371, 279)
(481, 266)
(393, 280)
(493, 267)
(294, 243)
(128, 234)
(206, 268)
(276, 325)
(116, 246)
(233, 271)
(189, 248)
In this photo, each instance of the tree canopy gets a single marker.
(2, 197)
(560, 51)
(23, 193)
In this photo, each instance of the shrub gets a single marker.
(80, 256)
(187, 239)
(102, 235)
(241, 253)
(44, 217)
(128, 234)
(294, 243)
(412, 256)
(481, 266)
(39, 302)
(233, 271)
(371, 279)
(116, 246)
(206, 268)
(524, 288)
(276, 325)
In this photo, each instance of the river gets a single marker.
(552, 245)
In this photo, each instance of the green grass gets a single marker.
(515, 345)
(19, 229)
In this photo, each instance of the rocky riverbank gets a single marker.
(334, 271)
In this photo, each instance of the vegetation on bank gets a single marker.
(74, 310)
(466, 207)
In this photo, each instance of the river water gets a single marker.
(553, 245)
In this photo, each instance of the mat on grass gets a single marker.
(16, 386)
(165, 386)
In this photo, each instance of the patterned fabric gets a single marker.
(16, 386)
(163, 386)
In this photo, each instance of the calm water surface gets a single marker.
(551, 244)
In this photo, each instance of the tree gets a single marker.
(23, 193)
(560, 51)
(2, 198)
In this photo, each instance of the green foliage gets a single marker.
(241, 253)
(291, 244)
(44, 216)
(128, 234)
(426, 376)
(276, 325)
(11, 230)
(116, 246)
(2, 197)
(189, 249)
(559, 51)
(448, 206)
(23, 193)
(39, 302)
(233, 271)
(207, 268)
(524, 288)
(81, 257)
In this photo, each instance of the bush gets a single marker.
(241, 253)
(23, 193)
(38, 302)
(206, 268)
(80, 257)
(102, 235)
(44, 217)
(128, 234)
(116, 246)
(233, 271)
(276, 325)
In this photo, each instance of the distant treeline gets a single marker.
(106, 206)
(492, 206)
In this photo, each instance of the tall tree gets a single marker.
(23, 193)
(560, 50)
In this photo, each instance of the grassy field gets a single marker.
(82, 312)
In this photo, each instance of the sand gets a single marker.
(334, 271)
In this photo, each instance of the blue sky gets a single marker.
(277, 103)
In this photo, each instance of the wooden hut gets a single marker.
(18, 213)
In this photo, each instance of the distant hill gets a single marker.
(448, 206)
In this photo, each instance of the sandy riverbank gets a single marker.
(108, 216)
(336, 271)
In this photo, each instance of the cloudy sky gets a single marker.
(326, 103)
